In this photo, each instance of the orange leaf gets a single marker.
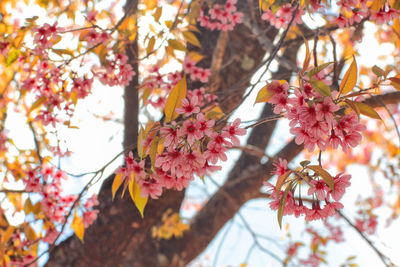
(350, 78)
(174, 99)
(281, 180)
(116, 184)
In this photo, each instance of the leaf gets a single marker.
(157, 14)
(353, 107)
(281, 180)
(37, 103)
(367, 110)
(378, 71)
(29, 232)
(282, 204)
(395, 82)
(153, 150)
(150, 46)
(12, 57)
(324, 175)
(191, 38)
(134, 191)
(116, 184)
(377, 5)
(78, 226)
(174, 99)
(349, 79)
(263, 95)
(321, 87)
(61, 52)
(318, 69)
(176, 45)
(307, 59)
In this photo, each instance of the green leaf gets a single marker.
(321, 87)
(324, 175)
(318, 69)
(12, 57)
(378, 71)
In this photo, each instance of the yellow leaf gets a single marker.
(150, 46)
(377, 5)
(350, 78)
(174, 99)
(157, 14)
(195, 56)
(116, 184)
(61, 52)
(78, 226)
(191, 38)
(176, 45)
(29, 232)
(37, 103)
(7, 234)
(134, 191)
(139, 142)
(263, 95)
(367, 110)
(324, 175)
(168, 23)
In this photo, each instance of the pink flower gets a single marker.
(319, 188)
(340, 183)
(189, 108)
(326, 109)
(204, 126)
(231, 130)
(150, 187)
(170, 133)
(189, 128)
(280, 167)
(89, 217)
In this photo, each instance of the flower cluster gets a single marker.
(94, 37)
(221, 18)
(117, 72)
(281, 18)
(196, 73)
(314, 118)
(45, 37)
(319, 189)
(54, 204)
(190, 147)
(353, 11)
